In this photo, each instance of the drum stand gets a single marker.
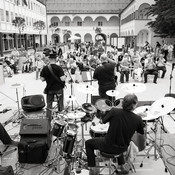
(153, 142)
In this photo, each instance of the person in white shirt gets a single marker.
(39, 65)
(170, 51)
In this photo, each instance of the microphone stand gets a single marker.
(171, 80)
(71, 82)
(171, 76)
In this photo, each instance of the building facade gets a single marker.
(89, 20)
(10, 36)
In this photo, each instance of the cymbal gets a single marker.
(70, 97)
(162, 106)
(89, 108)
(86, 89)
(16, 85)
(112, 93)
(144, 112)
(134, 87)
(76, 115)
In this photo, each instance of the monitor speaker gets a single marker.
(32, 103)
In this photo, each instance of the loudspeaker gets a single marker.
(6, 170)
(32, 103)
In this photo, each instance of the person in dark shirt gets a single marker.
(53, 87)
(5, 138)
(106, 76)
(122, 125)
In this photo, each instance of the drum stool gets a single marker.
(110, 156)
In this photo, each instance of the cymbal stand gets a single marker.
(71, 83)
(152, 141)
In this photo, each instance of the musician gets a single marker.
(5, 138)
(122, 125)
(53, 86)
(106, 76)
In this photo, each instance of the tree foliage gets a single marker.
(39, 25)
(164, 13)
(19, 22)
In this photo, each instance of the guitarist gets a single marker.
(54, 84)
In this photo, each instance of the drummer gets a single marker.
(122, 125)
(106, 76)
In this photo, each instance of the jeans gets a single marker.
(4, 136)
(163, 68)
(126, 73)
(152, 72)
(50, 100)
(99, 144)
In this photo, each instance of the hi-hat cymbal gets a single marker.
(134, 87)
(112, 93)
(86, 89)
(76, 115)
(162, 106)
(144, 112)
(70, 98)
(16, 85)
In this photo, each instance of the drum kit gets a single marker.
(66, 126)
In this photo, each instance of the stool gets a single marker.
(110, 156)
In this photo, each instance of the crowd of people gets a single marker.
(55, 66)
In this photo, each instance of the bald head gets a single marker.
(104, 58)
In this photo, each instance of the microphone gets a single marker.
(173, 64)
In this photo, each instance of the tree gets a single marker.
(39, 25)
(164, 13)
(19, 23)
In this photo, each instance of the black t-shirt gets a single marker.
(105, 76)
(52, 84)
(122, 126)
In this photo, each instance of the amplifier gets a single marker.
(33, 149)
(35, 127)
(6, 170)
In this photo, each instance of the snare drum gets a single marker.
(118, 103)
(69, 140)
(103, 106)
(58, 128)
(98, 130)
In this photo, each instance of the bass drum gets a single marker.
(118, 103)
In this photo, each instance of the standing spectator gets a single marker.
(170, 51)
(165, 50)
(157, 49)
(39, 65)
(125, 68)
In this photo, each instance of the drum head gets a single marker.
(72, 126)
(60, 122)
(70, 132)
(103, 105)
(89, 108)
(100, 128)
(118, 103)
